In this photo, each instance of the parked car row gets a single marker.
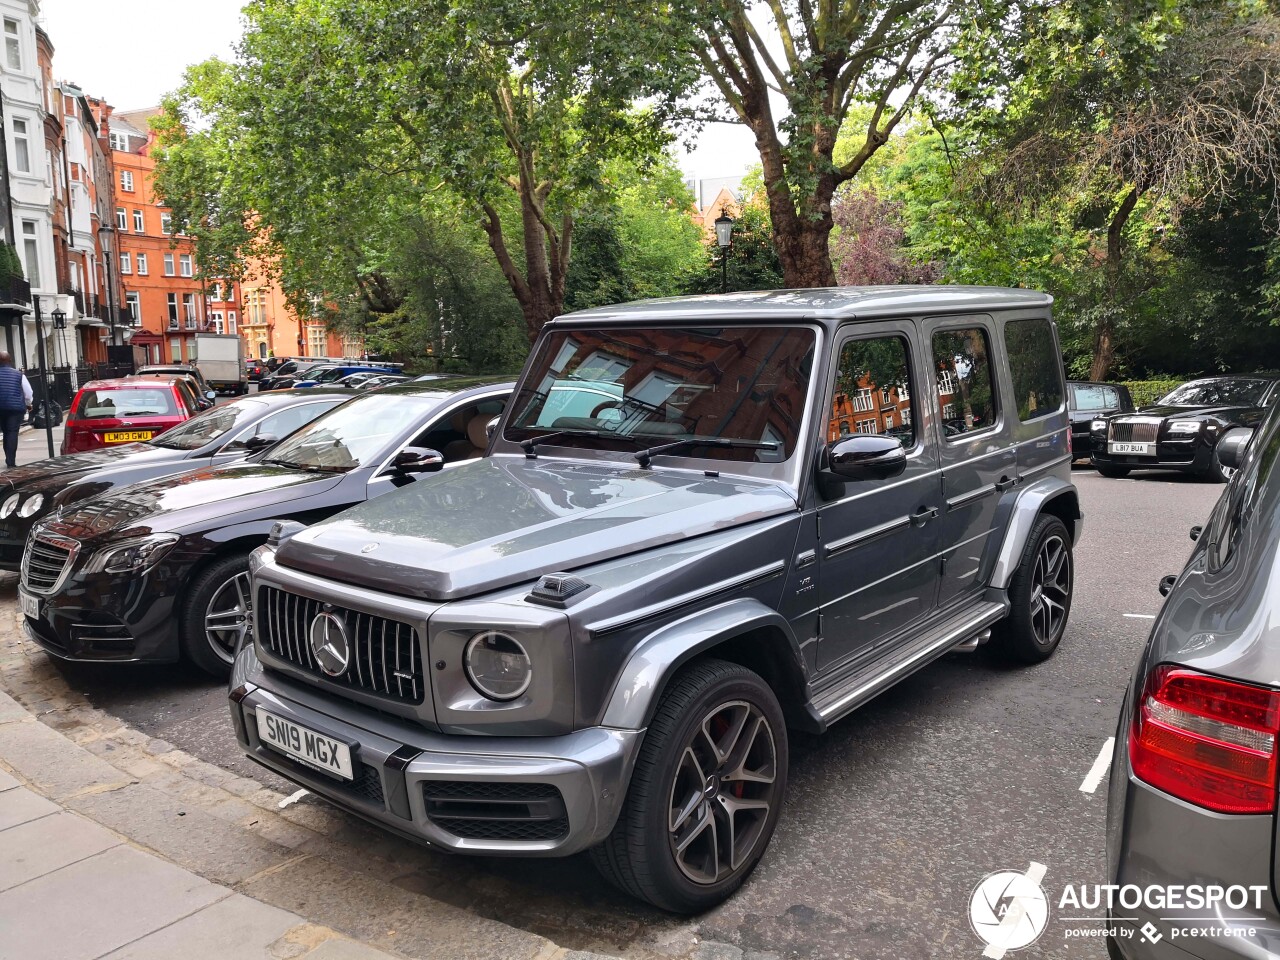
(1179, 432)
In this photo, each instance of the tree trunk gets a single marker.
(802, 241)
(1104, 348)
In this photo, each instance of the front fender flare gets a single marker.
(659, 655)
(1028, 504)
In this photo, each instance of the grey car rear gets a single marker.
(1193, 783)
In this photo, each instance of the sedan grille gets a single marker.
(1134, 431)
(45, 561)
(382, 655)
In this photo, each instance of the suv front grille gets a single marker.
(383, 655)
(1130, 431)
(45, 561)
(496, 811)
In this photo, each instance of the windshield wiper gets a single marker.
(643, 457)
(529, 446)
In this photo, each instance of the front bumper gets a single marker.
(1190, 456)
(110, 617)
(403, 770)
(1157, 841)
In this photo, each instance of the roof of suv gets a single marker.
(817, 303)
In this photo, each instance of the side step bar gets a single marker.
(958, 631)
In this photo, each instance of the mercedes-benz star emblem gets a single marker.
(329, 644)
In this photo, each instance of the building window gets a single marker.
(217, 292)
(946, 382)
(142, 264)
(866, 426)
(166, 223)
(21, 146)
(126, 262)
(122, 219)
(216, 317)
(184, 264)
(316, 340)
(119, 142)
(126, 181)
(862, 401)
(175, 348)
(12, 45)
(189, 310)
(134, 304)
(173, 311)
(31, 248)
(168, 264)
(137, 221)
(231, 321)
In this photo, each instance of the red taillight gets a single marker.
(1208, 741)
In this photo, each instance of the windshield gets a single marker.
(327, 376)
(654, 386)
(125, 402)
(355, 433)
(209, 425)
(1233, 391)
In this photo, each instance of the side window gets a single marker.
(186, 397)
(873, 391)
(966, 391)
(282, 424)
(462, 434)
(1034, 368)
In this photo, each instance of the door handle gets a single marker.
(923, 516)
(1005, 483)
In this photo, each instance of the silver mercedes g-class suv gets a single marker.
(700, 522)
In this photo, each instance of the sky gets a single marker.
(132, 54)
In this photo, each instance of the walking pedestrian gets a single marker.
(15, 402)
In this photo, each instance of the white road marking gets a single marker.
(292, 798)
(1141, 616)
(1099, 768)
(996, 949)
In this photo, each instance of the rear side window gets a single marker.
(135, 402)
(966, 391)
(1092, 396)
(1036, 370)
(873, 391)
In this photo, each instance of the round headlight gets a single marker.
(497, 665)
(32, 505)
(11, 504)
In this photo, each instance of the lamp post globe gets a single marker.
(724, 238)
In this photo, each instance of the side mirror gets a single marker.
(211, 395)
(417, 460)
(1196, 531)
(491, 427)
(1166, 584)
(260, 442)
(1232, 447)
(866, 457)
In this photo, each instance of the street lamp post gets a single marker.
(44, 372)
(724, 237)
(107, 229)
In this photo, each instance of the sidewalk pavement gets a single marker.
(70, 889)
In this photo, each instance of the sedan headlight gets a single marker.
(1098, 425)
(497, 666)
(132, 556)
(10, 504)
(33, 504)
(1184, 426)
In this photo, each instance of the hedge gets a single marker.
(1146, 392)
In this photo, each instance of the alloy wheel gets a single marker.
(228, 619)
(1050, 590)
(724, 790)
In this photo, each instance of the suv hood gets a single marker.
(499, 521)
(1190, 413)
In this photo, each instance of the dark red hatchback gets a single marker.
(107, 412)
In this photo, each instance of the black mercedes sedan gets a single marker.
(157, 571)
(1181, 430)
(217, 436)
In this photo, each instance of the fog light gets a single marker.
(497, 666)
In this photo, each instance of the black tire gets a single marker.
(212, 650)
(1115, 473)
(1034, 628)
(640, 855)
(1216, 472)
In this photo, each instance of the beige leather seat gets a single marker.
(477, 439)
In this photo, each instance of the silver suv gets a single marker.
(701, 522)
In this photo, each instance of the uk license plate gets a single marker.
(128, 436)
(30, 605)
(314, 749)
(1133, 449)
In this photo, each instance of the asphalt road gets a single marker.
(892, 818)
